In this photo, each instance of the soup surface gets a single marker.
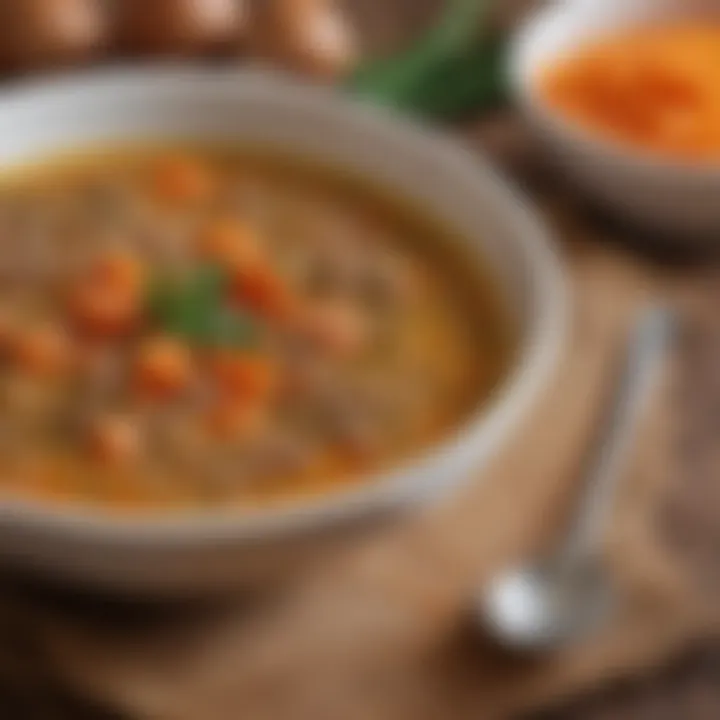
(186, 327)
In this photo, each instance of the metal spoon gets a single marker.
(568, 594)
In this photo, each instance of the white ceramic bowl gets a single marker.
(676, 200)
(198, 552)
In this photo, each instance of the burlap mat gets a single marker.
(382, 630)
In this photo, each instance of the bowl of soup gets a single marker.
(622, 96)
(241, 319)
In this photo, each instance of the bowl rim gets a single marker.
(523, 87)
(487, 427)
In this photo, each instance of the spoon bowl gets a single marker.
(544, 607)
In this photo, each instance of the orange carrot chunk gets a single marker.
(244, 376)
(114, 440)
(229, 243)
(163, 368)
(338, 327)
(109, 299)
(99, 309)
(264, 292)
(44, 350)
(121, 270)
(231, 420)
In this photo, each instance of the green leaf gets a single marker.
(195, 309)
(475, 80)
(388, 80)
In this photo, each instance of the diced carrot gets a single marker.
(43, 350)
(163, 368)
(108, 300)
(182, 179)
(339, 328)
(230, 243)
(115, 440)
(101, 309)
(262, 290)
(121, 270)
(244, 376)
(233, 421)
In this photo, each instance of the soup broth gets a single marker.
(184, 327)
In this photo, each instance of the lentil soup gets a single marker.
(193, 327)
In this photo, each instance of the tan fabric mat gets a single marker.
(383, 630)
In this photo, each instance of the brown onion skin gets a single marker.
(294, 33)
(44, 33)
(177, 27)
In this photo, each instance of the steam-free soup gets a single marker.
(186, 327)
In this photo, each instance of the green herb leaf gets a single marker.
(389, 80)
(454, 69)
(471, 81)
(195, 309)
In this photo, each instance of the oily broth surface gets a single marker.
(450, 347)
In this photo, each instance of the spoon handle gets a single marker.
(649, 344)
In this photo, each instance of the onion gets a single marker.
(310, 36)
(45, 32)
(178, 27)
